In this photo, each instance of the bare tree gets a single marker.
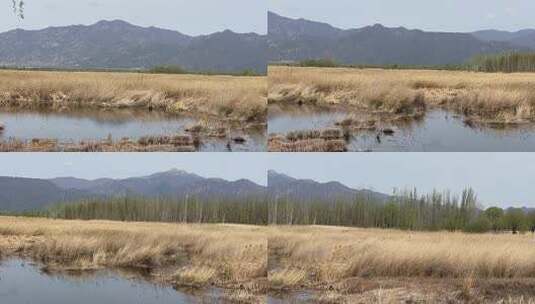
(18, 8)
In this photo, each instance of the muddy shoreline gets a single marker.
(411, 290)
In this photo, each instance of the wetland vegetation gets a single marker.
(232, 257)
(321, 264)
(430, 248)
(378, 99)
(231, 109)
(408, 247)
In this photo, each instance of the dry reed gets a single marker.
(335, 253)
(228, 97)
(225, 255)
(506, 98)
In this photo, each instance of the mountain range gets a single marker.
(118, 44)
(121, 45)
(301, 39)
(286, 187)
(20, 194)
(23, 194)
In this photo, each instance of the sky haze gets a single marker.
(192, 17)
(447, 16)
(229, 166)
(501, 179)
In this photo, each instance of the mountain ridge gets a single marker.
(300, 39)
(123, 45)
(22, 194)
(284, 186)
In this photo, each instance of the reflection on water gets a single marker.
(440, 131)
(90, 125)
(284, 119)
(437, 131)
(76, 126)
(256, 141)
(24, 283)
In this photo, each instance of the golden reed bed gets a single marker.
(224, 97)
(487, 97)
(332, 264)
(389, 266)
(229, 256)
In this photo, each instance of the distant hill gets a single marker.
(118, 44)
(300, 39)
(283, 186)
(522, 38)
(19, 194)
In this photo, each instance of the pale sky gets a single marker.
(229, 166)
(500, 179)
(444, 15)
(191, 17)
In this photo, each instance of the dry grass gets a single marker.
(230, 256)
(287, 278)
(325, 140)
(228, 97)
(495, 97)
(278, 143)
(347, 265)
(336, 253)
(177, 143)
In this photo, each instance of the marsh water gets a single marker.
(76, 126)
(22, 282)
(282, 120)
(437, 131)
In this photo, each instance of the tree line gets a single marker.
(406, 210)
(251, 211)
(506, 63)
(509, 62)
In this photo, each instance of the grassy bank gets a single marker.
(177, 143)
(308, 141)
(483, 97)
(223, 97)
(229, 256)
(351, 262)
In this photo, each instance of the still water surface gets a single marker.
(437, 131)
(22, 282)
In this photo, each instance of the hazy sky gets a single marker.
(230, 166)
(503, 179)
(444, 15)
(192, 17)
